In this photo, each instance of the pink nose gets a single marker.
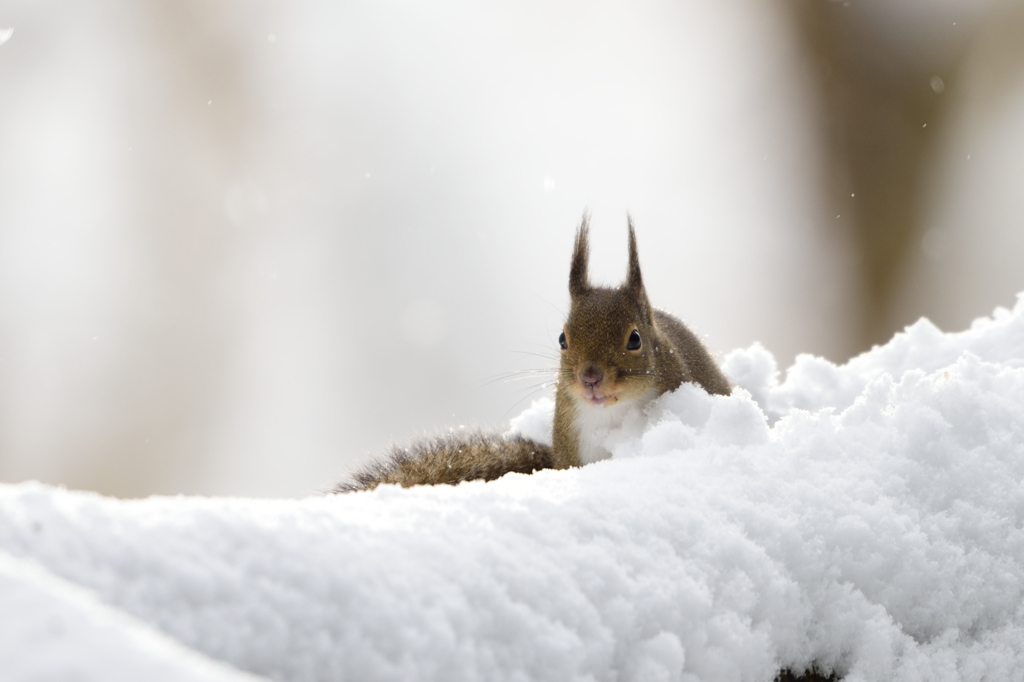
(591, 377)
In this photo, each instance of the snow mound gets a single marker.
(52, 630)
(864, 518)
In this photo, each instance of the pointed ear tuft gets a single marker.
(579, 281)
(634, 280)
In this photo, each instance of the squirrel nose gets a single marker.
(591, 377)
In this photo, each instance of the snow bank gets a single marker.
(52, 630)
(865, 518)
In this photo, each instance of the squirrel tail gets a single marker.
(452, 458)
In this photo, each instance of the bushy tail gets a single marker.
(453, 458)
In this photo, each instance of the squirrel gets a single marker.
(617, 354)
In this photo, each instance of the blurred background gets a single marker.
(245, 245)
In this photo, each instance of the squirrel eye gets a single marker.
(634, 341)
(561, 341)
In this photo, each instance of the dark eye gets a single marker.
(634, 341)
(561, 341)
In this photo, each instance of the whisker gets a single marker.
(546, 356)
(528, 395)
(555, 307)
(535, 387)
(515, 375)
(640, 372)
(552, 346)
(521, 372)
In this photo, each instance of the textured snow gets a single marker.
(53, 630)
(864, 518)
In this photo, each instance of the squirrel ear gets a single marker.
(579, 282)
(634, 280)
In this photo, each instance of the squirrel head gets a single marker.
(610, 343)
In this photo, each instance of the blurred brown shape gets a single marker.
(885, 102)
(191, 112)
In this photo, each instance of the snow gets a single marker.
(865, 518)
(53, 630)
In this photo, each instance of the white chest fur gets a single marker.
(595, 422)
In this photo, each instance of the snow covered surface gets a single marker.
(866, 518)
(53, 630)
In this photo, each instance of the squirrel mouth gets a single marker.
(592, 397)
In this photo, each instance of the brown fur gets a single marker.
(452, 458)
(597, 332)
(812, 675)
